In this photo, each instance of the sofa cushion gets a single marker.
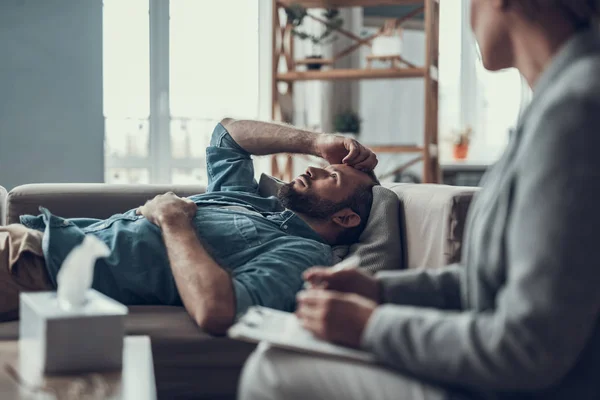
(435, 219)
(378, 246)
(188, 363)
(89, 200)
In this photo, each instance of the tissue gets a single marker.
(77, 329)
(77, 272)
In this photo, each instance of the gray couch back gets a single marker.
(433, 217)
(86, 200)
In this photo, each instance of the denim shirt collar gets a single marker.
(290, 220)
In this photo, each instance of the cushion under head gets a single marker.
(379, 246)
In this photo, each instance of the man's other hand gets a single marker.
(347, 280)
(168, 208)
(338, 149)
(333, 316)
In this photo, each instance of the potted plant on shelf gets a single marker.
(295, 15)
(347, 123)
(461, 142)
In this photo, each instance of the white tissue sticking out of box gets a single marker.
(77, 329)
(77, 272)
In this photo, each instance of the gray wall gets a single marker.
(51, 122)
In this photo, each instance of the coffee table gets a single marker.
(134, 381)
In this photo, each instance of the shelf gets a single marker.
(322, 61)
(396, 149)
(340, 74)
(348, 3)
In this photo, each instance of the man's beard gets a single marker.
(307, 204)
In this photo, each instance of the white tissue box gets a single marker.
(54, 340)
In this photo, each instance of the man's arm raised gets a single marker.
(262, 138)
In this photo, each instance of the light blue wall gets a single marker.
(51, 123)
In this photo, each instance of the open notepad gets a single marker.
(282, 329)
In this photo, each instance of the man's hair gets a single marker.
(361, 202)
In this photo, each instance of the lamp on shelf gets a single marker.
(388, 46)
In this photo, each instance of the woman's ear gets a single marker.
(346, 218)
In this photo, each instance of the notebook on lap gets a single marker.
(283, 330)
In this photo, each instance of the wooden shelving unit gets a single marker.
(283, 48)
(348, 3)
(396, 149)
(340, 74)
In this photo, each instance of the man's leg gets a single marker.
(271, 374)
(22, 267)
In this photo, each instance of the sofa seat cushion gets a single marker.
(188, 363)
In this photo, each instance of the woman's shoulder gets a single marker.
(564, 122)
(579, 82)
(573, 98)
(581, 79)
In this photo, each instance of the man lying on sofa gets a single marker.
(216, 253)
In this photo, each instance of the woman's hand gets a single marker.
(347, 281)
(333, 316)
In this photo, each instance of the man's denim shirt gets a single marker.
(265, 252)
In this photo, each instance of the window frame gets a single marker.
(472, 107)
(159, 162)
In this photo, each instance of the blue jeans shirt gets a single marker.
(265, 250)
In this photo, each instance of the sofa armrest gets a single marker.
(94, 200)
(3, 195)
(434, 218)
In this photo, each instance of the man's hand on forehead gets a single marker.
(338, 149)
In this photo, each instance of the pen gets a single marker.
(351, 262)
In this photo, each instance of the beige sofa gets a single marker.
(189, 363)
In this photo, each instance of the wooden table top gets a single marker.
(134, 381)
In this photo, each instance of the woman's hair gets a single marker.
(582, 13)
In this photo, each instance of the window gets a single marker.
(498, 104)
(450, 67)
(470, 96)
(213, 72)
(173, 69)
(126, 72)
